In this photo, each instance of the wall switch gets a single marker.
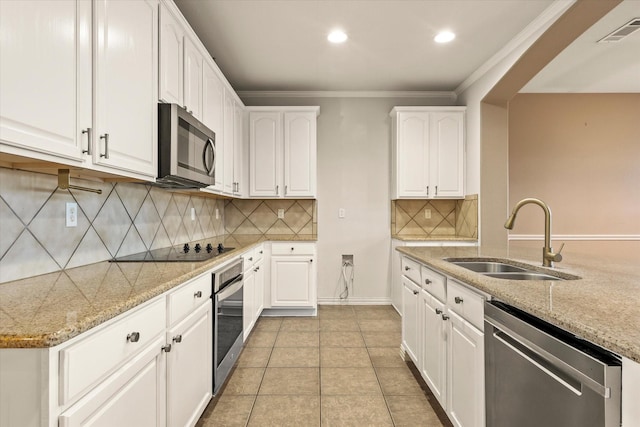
(193, 214)
(427, 214)
(341, 213)
(217, 213)
(72, 214)
(280, 213)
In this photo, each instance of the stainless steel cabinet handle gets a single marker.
(427, 191)
(277, 190)
(445, 317)
(177, 339)
(133, 337)
(285, 189)
(106, 145)
(166, 348)
(256, 269)
(438, 311)
(436, 190)
(458, 300)
(198, 294)
(427, 281)
(89, 133)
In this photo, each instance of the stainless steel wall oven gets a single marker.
(227, 320)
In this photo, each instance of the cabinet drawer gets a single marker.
(189, 297)
(258, 253)
(90, 360)
(434, 283)
(293, 248)
(468, 304)
(411, 269)
(248, 259)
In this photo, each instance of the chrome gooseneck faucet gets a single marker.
(548, 256)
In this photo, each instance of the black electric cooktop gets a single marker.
(180, 253)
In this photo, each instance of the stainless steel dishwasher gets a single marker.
(537, 374)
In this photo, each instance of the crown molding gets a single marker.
(448, 95)
(537, 26)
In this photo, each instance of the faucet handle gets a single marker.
(557, 257)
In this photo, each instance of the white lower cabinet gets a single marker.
(410, 323)
(442, 333)
(253, 293)
(189, 367)
(293, 275)
(133, 396)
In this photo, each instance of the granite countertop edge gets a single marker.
(616, 341)
(24, 340)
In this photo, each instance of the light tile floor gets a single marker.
(342, 368)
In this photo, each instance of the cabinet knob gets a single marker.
(177, 339)
(311, 260)
(292, 249)
(407, 268)
(427, 281)
(256, 269)
(261, 252)
(445, 317)
(438, 311)
(198, 294)
(458, 300)
(250, 258)
(133, 337)
(416, 292)
(166, 348)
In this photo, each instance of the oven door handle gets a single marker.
(230, 289)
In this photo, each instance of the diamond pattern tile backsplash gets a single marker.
(260, 217)
(126, 218)
(435, 218)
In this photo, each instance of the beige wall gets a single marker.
(581, 154)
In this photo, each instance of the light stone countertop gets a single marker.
(422, 238)
(47, 310)
(603, 306)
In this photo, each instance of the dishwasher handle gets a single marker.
(550, 364)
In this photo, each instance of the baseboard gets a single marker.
(289, 312)
(354, 301)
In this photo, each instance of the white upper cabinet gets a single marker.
(81, 89)
(427, 152)
(282, 152)
(192, 79)
(171, 57)
(125, 85)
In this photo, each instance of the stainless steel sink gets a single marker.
(488, 266)
(522, 275)
(507, 269)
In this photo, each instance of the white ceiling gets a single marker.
(277, 45)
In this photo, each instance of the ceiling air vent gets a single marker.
(622, 32)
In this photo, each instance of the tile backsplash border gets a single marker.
(126, 218)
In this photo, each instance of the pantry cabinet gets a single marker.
(73, 92)
(427, 152)
(282, 152)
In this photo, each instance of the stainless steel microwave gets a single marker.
(186, 149)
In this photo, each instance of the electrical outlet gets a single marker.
(427, 214)
(280, 213)
(193, 214)
(217, 213)
(71, 214)
(341, 213)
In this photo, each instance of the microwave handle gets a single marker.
(209, 168)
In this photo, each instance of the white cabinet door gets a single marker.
(239, 160)
(258, 272)
(45, 77)
(410, 331)
(447, 146)
(265, 153)
(192, 79)
(413, 154)
(133, 396)
(248, 303)
(293, 281)
(228, 145)
(299, 154)
(433, 349)
(189, 367)
(465, 366)
(171, 57)
(125, 88)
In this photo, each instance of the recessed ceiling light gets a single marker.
(337, 36)
(444, 37)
